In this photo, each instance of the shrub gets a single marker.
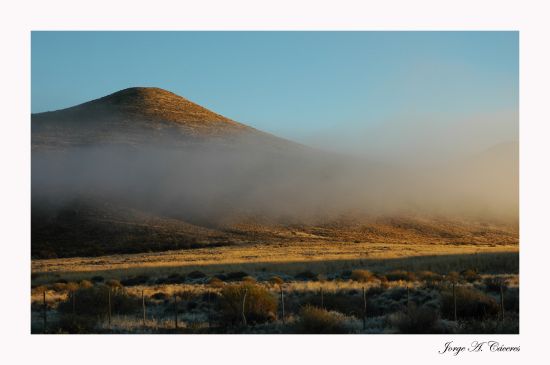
(160, 296)
(397, 275)
(172, 279)
(350, 304)
(97, 279)
(470, 275)
(275, 280)
(470, 303)
(221, 276)
(136, 280)
(375, 290)
(452, 277)
(40, 289)
(510, 325)
(59, 287)
(249, 279)
(417, 320)
(74, 324)
(493, 284)
(113, 283)
(235, 276)
(93, 301)
(72, 286)
(196, 275)
(215, 282)
(306, 275)
(315, 320)
(86, 284)
(429, 276)
(362, 276)
(260, 304)
(345, 274)
(511, 300)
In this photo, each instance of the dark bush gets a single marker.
(275, 280)
(452, 277)
(315, 320)
(511, 300)
(470, 303)
(93, 301)
(470, 275)
(375, 290)
(222, 277)
(350, 304)
(510, 325)
(260, 304)
(306, 275)
(72, 286)
(429, 276)
(236, 276)
(493, 284)
(136, 280)
(113, 283)
(160, 296)
(75, 324)
(59, 287)
(397, 275)
(417, 320)
(362, 276)
(397, 294)
(345, 275)
(215, 282)
(86, 284)
(196, 275)
(171, 279)
(97, 279)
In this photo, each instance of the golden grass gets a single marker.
(320, 257)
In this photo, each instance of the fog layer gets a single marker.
(214, 182)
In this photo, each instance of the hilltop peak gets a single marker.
(156, 104)
(139, 95)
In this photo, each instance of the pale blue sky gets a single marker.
(306, 86)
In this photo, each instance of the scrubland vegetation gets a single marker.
(369, 299)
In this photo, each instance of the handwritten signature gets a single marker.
(477, 346)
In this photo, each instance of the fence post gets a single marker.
(242, 311)
(109, 303)
(364, 309)
(208, 314)
(143, 306)
(454, 302)
(176, 310)
(282, 304)
(44, 309)
(73, 297)
(322, 299)
(501, 303)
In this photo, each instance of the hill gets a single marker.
(139, 116)
(146, 170)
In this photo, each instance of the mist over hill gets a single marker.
(152, 169)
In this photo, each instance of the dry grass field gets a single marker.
(152, 214)
(406, 281)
